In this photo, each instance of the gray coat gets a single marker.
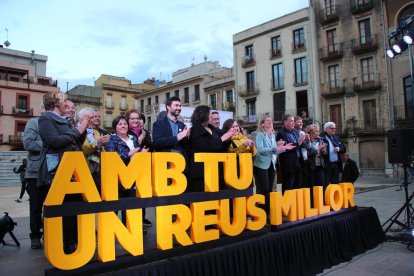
(58, 136)
(32, 143)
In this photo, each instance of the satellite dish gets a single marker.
(6, 43)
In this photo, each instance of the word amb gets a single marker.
(153, 178)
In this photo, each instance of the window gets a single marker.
(279, 105)
(330, 7)
(277, 71)
(335, 114)
(301, 71)
(367, 69)
(229, 96)
(136, 103)
(156, 99)
(229, 100)
(149, 124)
(250, 84)
(298, 39)
(109, 101)
(148, 101)
(364, 32)
(123, 104)
(167, 96)
(249, 50)
(334, 76)
(408, 98)
(197, 92)
(108, 120)
(20, 128)
(276, 46)
(302, 104)
(186, 95)
(22, 102)
(251, 110)
(332, 41)
(142, 106)
(370, 115)
(212, 101)
(177, 93)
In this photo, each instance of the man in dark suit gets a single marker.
(350, 172)
(169, 134)
(335, 149)
(290, 159)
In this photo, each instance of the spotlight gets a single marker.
(412, 232)
(409, 37)
(390, 53)
(399, 47)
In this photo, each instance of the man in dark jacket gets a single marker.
(169, 134)
(350, 172)
(335, 149)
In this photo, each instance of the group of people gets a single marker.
(59, 130)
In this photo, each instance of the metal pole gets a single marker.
(410, 56)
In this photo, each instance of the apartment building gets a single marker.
(199, 84)
(23, 82)
(276, 69)
(352, 76)
(399, 82)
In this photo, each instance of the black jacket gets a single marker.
(350, 171)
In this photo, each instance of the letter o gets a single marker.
(334, 196)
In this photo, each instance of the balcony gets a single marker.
(359, 6)
(332, 91)
(332, 52)
(329, 14)
(15, 139)
(195, 98)
(148, 108)
(275, 53)
(248, 61)
(22, 112)
(404, 116)
(368, 44)
(370, 126)
(248, 90)
(367, 83)
(298, 47)
(109, 105)
(156, 108)
(229, 106)
(123, 106)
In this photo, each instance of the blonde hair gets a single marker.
(260, 124)
(51, 99)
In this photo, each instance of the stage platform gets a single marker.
(306, 248)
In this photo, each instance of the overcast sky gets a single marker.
(135, 39)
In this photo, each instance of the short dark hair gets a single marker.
(297, 118)
(285, 117)
(142, 118)
(172, 99)
(116, 121)
(215, 112)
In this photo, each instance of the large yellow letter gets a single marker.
(309, 211)
(334, 196)
(239, 216)
(167, 229)
(246, 171)
(113, 171)
(255, 212)
(211, 161)
(54, 242)
(198, 232)
(318, 200)
(72, 164)
(348, 191)
(130, 237)
(161, 173)
(282, 205)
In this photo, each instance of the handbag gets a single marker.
(52, 162)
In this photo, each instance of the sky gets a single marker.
(135, 39)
